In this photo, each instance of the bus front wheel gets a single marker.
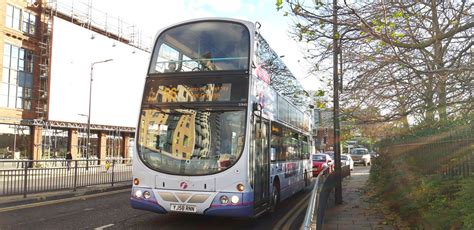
(306, 180)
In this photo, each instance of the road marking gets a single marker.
(104, 227)
(293, 216)
(290, 214)
(60, 201)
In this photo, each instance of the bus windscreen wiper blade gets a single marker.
(174, 112)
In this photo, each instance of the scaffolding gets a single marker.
(45, 48)
(82, 142)
(54, 142)
(84, 14)
(114, 143)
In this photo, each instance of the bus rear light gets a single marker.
(224, 199)
(136, 181)
(146, 195)
(240, 187)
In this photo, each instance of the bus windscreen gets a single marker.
(202, 46)
(190, 141)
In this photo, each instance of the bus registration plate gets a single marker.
(183, 208)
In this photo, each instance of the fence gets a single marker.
(28, 176)
(448, 151)
(324, 184)
(449, 157)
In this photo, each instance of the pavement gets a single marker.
(355, 212)
(18, 200)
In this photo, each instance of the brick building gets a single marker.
(26, 128)
(323, 131)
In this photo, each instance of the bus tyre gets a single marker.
(306, 181)
(275, 196)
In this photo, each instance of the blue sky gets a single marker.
(150, 16)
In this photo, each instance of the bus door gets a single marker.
(261, 163)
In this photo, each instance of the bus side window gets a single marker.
(276, 143)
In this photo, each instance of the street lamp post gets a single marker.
(89, 114)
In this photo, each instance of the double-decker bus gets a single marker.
(215, 134)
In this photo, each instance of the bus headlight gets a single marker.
(138, 193)
(146, 195)
(224, 199)
(234, 199)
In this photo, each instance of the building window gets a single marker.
(13, 17)
(185, 141)
(29, 23)
(17, 79)
(18, 20)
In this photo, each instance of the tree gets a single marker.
(408, 59)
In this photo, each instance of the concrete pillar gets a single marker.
(36, 136)
(125, 145)
(72, 145)
(102, 146)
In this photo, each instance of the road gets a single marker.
(112, 211)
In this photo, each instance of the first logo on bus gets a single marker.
(183, 185)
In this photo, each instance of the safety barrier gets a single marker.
(34, 176)
(324, 184)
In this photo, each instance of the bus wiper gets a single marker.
(220, 110)
(175, 112)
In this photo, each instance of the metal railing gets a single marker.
(323, 186)
(29, 176)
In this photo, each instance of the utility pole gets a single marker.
(337, 131)
(88, 144)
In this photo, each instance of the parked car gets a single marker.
(361, 156)
(320, 162)
(347, 160)
(373, 155)
(330, 153)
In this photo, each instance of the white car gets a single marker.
(347, 160)
(361, 156)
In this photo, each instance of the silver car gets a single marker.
(361, 156)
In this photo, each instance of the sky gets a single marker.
(151, 16)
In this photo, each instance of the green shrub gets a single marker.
(422, 175)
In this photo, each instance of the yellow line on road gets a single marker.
(7, 209)
(291, 215)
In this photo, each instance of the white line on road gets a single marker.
(104, 227)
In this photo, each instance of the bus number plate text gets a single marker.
(183, 208)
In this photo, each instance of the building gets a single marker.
(323, 130)
(45, 91)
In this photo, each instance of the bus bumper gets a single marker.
(234, 211)
(146, 205)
